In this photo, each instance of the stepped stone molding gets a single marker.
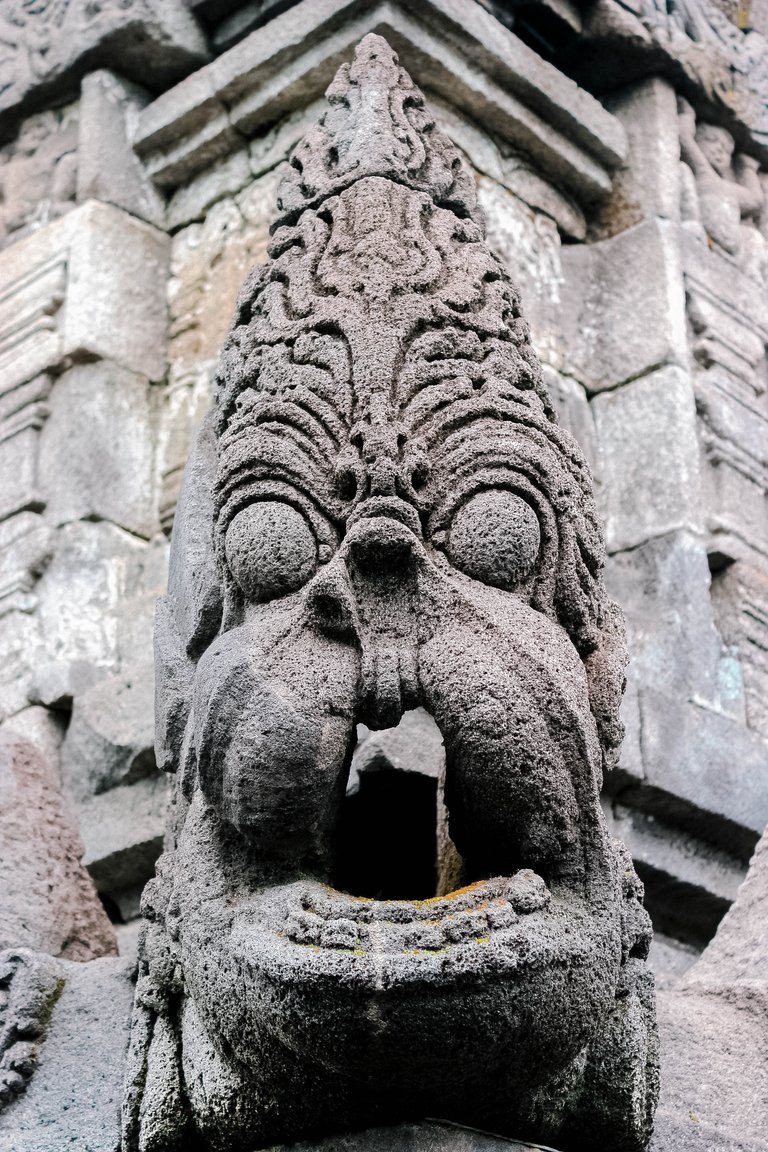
(462, 53)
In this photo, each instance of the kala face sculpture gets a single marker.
(382, 513)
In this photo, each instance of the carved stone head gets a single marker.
(383, 513)
(717, 145)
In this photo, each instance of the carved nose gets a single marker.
(381, 546)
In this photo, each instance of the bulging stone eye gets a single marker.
(270, 549)
(495, 537)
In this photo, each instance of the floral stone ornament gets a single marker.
(382, 513)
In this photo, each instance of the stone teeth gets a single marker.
(304, 928)
(339, 934)
(501, 915)
(466, 926)
(428, 937)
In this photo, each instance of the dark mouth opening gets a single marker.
(392, 839)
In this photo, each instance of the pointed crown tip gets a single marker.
(377, 124)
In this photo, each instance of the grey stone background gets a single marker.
(141, 145)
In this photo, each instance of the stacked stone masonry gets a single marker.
(620, 154)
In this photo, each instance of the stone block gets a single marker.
(81, 594)
(153, 42)
(48, 901)
(648, 183)
(110, 476)
(623, 306)
(122, 832)
(89, 285)
(108, 169)
(110, 738)
(208, 264)
(689, 884)
(529, 244)
(415, 745)
(649, 458)
(715, 766)
(73, 1098)
(663, 588)
(511, 169)
(574, 413)
(191, 201)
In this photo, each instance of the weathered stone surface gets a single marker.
(84, 287)
(415, 745)
(623, 306)
(208, 264)
(109, 741)
(709, 761)
(529, 245)
(122, 831)
(47, 902)
(649, 458)
(382, 513)
(111, 477)
(73, 1098)
(677, 652)
(46, 48)
(108, 169)
(575, 413)
(689, 883)
(648, 184)
(715, 1035)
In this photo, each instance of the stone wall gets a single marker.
(624, 184)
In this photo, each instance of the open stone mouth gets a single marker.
(334, 920)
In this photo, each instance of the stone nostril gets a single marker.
(381, 552)
(330, 606)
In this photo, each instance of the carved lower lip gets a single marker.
(316, 916)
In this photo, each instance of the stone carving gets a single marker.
(725, 198)
(44, 44)
(729, 63)
(383, 513)
(38, 172)
(29, 987)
